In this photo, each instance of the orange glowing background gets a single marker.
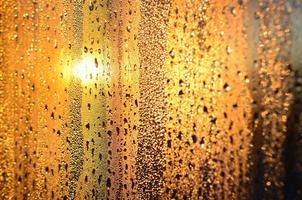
(150, 99)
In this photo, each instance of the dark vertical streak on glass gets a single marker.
(275, 76)
(293, 143)
(75, 139)
(257, 172)
(293, 176)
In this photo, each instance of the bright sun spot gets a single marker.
(86, 69)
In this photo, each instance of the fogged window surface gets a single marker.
(151, 99)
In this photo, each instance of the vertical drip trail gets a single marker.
(114, 183)
(152, 46)
(256, 187)
(75, 138)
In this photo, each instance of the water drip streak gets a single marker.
(75, 97)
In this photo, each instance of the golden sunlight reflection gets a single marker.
(86, 70)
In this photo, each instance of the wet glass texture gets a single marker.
(151, 99)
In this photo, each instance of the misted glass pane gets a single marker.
(151, 99)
